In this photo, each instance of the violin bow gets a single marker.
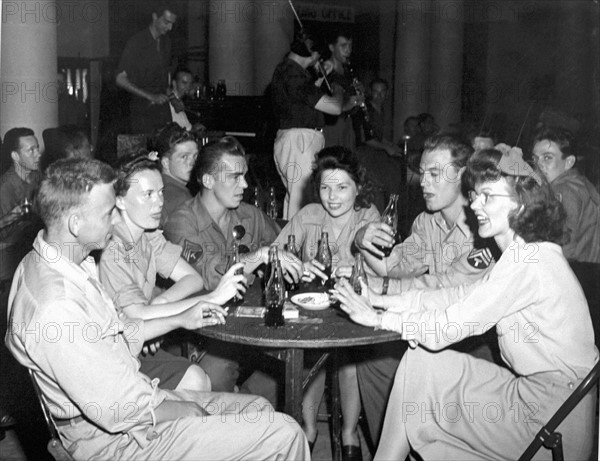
(524, 122)
(318, 64)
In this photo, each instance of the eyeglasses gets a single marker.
(484, 196)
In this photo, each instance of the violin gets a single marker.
(319, 64)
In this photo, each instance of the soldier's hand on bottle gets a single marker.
(201, 315)
(229, 285)
(291, 266)
(313, 269)
(375, 233)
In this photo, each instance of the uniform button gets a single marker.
(571, 385)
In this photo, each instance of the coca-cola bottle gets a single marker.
(390, 217)
(358, 274)
(324, 257)
(271, 263)
(275, 296)
(293, 249)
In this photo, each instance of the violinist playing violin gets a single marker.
(299, 104)
(181, 88)
(339, 130)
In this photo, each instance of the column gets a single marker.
(231, 44)
(446, 64)
(387, 28)
(273, 31)
(411, 60)
(28, 69)
(573, 59)
(197, 35)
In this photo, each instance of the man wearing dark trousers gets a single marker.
(143, 71)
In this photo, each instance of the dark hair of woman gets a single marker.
(128, 166)
(341, 158)
(540, 217)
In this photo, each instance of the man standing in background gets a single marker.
(299, 105)
(143, 71)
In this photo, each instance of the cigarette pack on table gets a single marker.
(290, 311)
(250, 311)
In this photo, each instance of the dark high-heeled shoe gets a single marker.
(311, 445)
(351, 453)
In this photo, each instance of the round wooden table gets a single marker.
(334, 330)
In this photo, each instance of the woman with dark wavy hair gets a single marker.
(345, 206)
(450, 405)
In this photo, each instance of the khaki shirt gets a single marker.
(13, 190)
(452, 256)
(64, 327)
(174, 193)
(204, 245)
(531, 296)
(128, 271)
(582, 204)
(308, 224)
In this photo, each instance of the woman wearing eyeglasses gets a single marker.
(450, 405)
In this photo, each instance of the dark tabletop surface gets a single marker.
(334, 328)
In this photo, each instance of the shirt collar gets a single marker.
(205, 220)
(460, 223)
(51, 253)
(201, 213)
(122, 235)
(167, 178)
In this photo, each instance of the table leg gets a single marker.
(294, 364)
(336, 426)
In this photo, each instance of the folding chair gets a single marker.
(55, 446)
(547, 436)
(587, 274)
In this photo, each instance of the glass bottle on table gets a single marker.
(390, 217)
(324, 257)
(272, 205)
(271, 263)
(293, 249)
(275, 296)
(358, 274)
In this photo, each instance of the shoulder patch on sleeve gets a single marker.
(480, 258)
(192, 252)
